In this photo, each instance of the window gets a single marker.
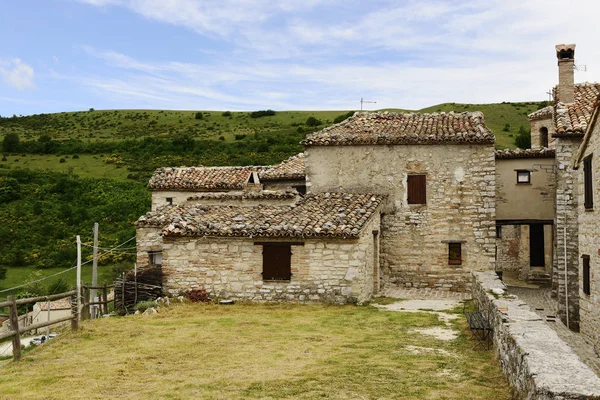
(155, 258)
(586, 274)
(170, 201)
(544, 137)
(523, 176)
(300, 189)
(454, 254)
(417, 189)
(277, 262)
(499, 231)
(588, 187)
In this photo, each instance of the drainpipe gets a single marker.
(566, 279)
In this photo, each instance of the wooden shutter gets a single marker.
(277, 259)
(454, 254)
(586, 274)
(417, 189)
(588, 186)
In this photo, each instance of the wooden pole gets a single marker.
(105, 298)
(78, 278)
(94, 270)
(48, 328)
(74, 313)
(85, 310)
(14, 325)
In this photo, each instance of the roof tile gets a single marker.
(573, 118)
(527, 153)
(341, 215)
(393, 128)
(200, 178)
(292, 168)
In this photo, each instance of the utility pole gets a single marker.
(549, 93)
(78, 278)
(365, 101)
(94, 270)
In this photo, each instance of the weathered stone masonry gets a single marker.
(460, 205)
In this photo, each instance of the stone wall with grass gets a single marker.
(537, 363)
(460, 205)
(323, 269)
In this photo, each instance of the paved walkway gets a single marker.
(423, 294)
(540, 301)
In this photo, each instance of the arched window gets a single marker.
(544, 137)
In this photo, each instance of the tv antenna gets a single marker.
(580, 68)
(549, 93)
(365, 101)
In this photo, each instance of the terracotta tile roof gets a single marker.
(262, 195)
(292, 168)
(542, 113)
(61, 304)
(323, 215)
(528, 153)
(200, 178)
(573, 118)
(394, 128)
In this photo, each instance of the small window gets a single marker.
(523, 176)
(544, 137)
(277, 262)
(300, 189)
(499, 231)
(454, 253)
(588, 186)
(155, 258)
(586, 274)
(417, 189)
(170, 201)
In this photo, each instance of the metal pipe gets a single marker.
(566, 278)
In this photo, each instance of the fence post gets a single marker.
(85, 310)
(105, 298)
(74, 311)
(14, 325)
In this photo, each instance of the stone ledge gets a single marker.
(537, 363)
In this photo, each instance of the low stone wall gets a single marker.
(537, 363)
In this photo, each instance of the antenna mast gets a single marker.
(365, 101)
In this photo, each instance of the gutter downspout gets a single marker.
(566, 279)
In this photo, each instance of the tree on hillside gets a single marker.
(2, 272)
(312, 121)
(198, 115)
(10, 142)
(523, 139)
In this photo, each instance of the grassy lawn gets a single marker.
(87, 166)
(257, 352)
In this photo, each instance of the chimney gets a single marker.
(566, 82)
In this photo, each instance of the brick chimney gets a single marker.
(566, 81)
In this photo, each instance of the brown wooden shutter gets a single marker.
(586, 274)
(417, 189)
(588, 183)
(277, 259)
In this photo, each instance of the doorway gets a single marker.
(536, 246)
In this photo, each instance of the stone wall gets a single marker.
(147, 240)
(159, 197)
(566, 217)
(525, 201)
(323, 269)
(460, 205)
(289, 184)
(536, 126)
(589, 244)
(513, 250)
(537, 363)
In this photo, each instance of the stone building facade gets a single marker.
(454, 156)
(333, 239)
(525, 201)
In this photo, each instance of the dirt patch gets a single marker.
(439, 333)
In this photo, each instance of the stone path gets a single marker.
(423, 294)
(540, 301)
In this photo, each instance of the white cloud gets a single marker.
(17, 74)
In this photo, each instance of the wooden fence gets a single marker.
(15, 331)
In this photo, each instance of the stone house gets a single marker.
(437, 171)
(323, 247)
(421, 185)
(588, 184)
(562, 126)
(525, 201)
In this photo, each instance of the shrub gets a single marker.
(523, 139)
(62, 160)
(197, 296)
(240, 137)
(75, 157)
(312, 121)
(221, 138)
(262, 113)
(506, 128)
(226, 114)
(144, 305)
(198, 115)
(10, 142)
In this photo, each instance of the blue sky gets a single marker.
(63, 55)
